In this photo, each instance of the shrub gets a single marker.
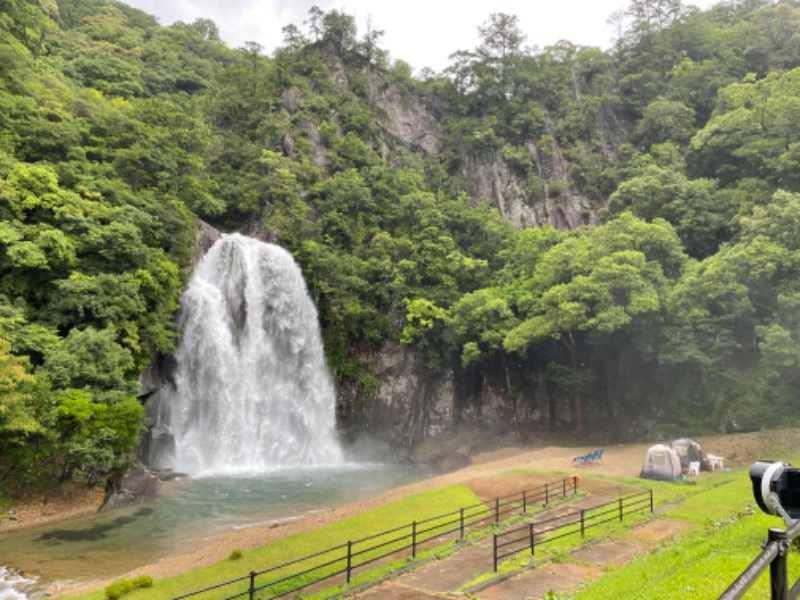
(143, 581)
(235, 555)
(118, 589)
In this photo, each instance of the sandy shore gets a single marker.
(618, 461)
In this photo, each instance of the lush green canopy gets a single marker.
(680, 145)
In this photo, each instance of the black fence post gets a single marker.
(496, 511)
(583, 524)
(651, 501)
(620, 509)
(461, 525)
(252, 591)
(564, 484)
(575, 484)
(778, 572)
(524, 502)
(349, 559)
(413, 539)
(546, 494)
(494, 546)
(533, 540)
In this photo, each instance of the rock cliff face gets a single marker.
(413, 405)
(410, 404)
(407, 118)
(556, 203)
(551, 200)
(411, 120)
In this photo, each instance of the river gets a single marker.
(189, 513)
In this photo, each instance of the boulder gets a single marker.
(135, 485)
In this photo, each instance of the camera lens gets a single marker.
(780, 479)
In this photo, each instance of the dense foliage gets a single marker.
(675, 300)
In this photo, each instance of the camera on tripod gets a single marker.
(776, 488)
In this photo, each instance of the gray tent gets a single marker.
(688, 451)
(661, 462)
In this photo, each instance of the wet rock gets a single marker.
(137, 484)
(205, 237)
(15, 586)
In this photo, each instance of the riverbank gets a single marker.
(60, 502)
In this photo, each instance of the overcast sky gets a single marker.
(421, 32)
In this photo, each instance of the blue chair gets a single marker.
(589, 458)
(581, 460)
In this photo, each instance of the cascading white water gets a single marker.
(13, 586)
(252, 388)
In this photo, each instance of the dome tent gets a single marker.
(688, 451)
(662, 463)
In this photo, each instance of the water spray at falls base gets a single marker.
(251, 388)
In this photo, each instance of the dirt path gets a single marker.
(517, 465)
(587, 563)
(448, 575)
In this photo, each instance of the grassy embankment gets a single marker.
(725, 533)
(719, 531)
(420, 506)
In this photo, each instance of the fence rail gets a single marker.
(516, 540)
(773, 556)
(344, 559)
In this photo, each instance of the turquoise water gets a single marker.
(189, 512)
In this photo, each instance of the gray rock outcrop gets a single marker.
(135, 485)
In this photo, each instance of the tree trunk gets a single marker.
(552, 404)
(577, 400)
(578, 409)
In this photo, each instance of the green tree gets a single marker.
(599, 280)
(477, 324)
(339, 31)
(22, 421)
(666, 121)
(90, 358)
(93, 435)
(734, 327)
(693, 207)
(753, 131)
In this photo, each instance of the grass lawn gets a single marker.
(726, 535)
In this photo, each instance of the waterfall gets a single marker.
(252, 391)
(14, 586)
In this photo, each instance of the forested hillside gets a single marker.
(613, 235)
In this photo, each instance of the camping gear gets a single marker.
(662, 463)
(689, 451)
(587, 459)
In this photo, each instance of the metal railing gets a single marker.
(773, 556)
(519, 539)
(344, 559)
